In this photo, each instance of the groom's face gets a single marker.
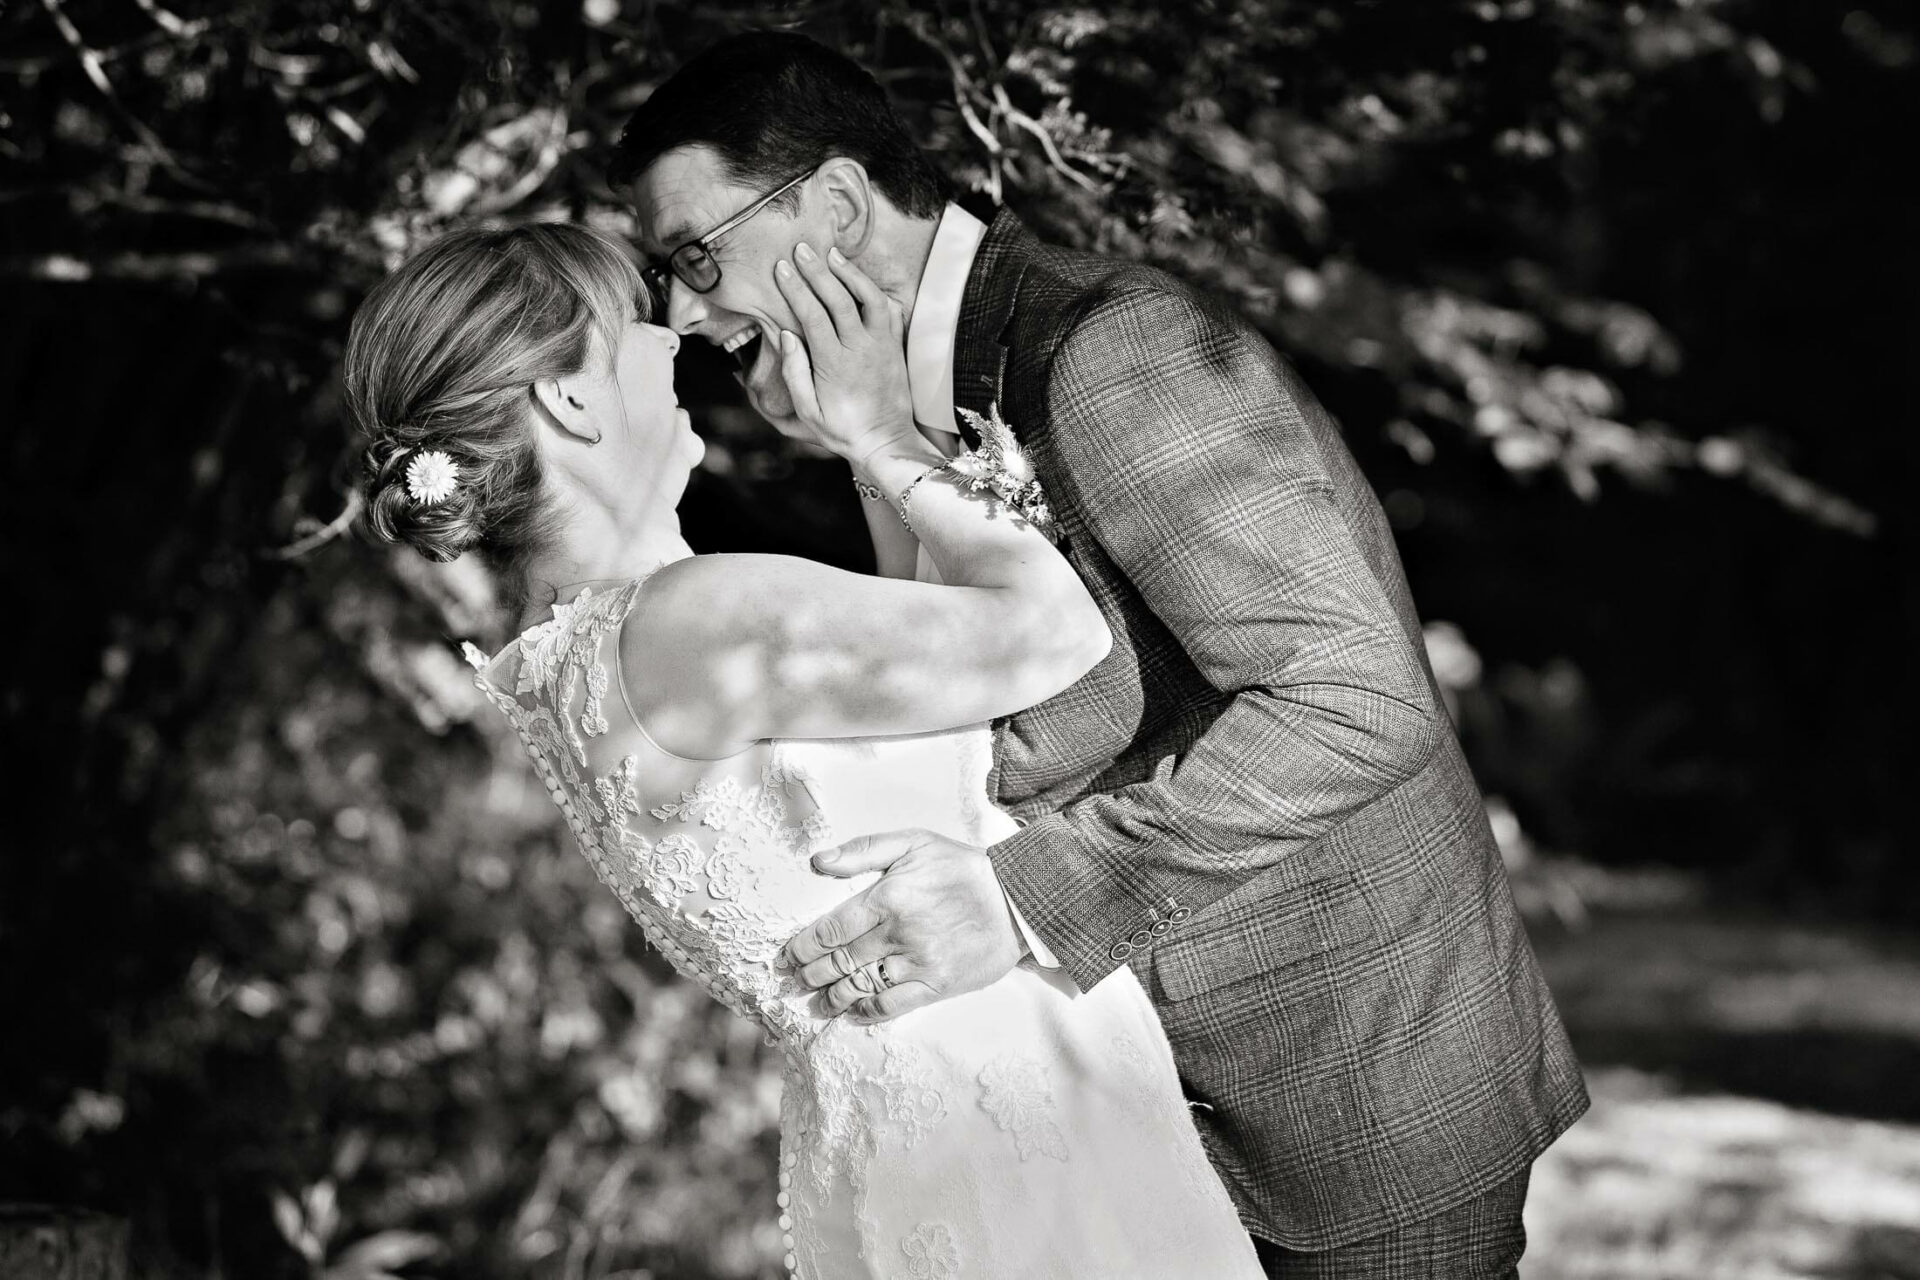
(683, 196)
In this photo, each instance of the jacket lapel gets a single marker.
(986, 313)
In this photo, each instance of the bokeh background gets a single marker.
(300, 975)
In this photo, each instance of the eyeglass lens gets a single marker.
(693, 264)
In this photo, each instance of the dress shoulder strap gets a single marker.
(538, 678)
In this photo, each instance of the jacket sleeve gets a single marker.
(1193, 465)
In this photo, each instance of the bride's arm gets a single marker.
(722, 651)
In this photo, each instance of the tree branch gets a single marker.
(37, 63)
(170, 24)
(91, 64)
(318, 535)
(1018, 117)
(65, 268)
(204, 210)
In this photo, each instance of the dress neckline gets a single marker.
(561, 594)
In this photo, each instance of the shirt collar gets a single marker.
(936, 317)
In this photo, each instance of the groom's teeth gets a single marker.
(737, 341)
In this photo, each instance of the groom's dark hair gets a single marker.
(774, 104)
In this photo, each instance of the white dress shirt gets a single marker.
(931, 332)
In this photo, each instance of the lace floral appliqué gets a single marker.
(913, 1099)
(698, 904)
(1016, 1093)
(931, 1253)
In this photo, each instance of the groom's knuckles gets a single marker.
(818, 974)
(828, 970)
(818, 939)
(895, 1001)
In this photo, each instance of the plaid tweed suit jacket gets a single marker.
(1257, 800)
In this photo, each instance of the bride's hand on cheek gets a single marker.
(846, 369)
(766, 386)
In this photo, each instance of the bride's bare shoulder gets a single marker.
(696, 648)
(703, 592)
(707, 593)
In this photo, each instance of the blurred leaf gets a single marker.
(378, 1256)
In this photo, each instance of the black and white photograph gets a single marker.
(959, 640)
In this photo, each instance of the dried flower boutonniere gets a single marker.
(1001, 468)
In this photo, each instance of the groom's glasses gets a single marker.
(693, 263)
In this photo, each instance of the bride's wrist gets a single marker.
(890, 465)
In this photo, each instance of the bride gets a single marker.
(708, 722)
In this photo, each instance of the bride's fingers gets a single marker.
(796, 370)
(816, 326)
(826, 286)
(873, 302)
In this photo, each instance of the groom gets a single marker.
(1256, 800)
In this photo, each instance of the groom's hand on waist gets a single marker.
(936, 924)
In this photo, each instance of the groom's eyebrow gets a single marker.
(675, 236)
(677, 233)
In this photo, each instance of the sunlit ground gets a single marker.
(1766, 1127)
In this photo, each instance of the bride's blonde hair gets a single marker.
(443, 356)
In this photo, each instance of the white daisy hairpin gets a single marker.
(431, 477)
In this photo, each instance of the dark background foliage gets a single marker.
(300, 975)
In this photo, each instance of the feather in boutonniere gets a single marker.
(1000, 467)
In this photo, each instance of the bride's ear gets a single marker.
(566, 410)
(850, 196)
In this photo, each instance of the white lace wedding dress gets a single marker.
(1022, 1132)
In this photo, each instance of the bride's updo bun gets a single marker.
(437, 530)
(439, 371)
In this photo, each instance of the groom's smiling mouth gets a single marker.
(743, 346)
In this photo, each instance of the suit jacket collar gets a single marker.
(986, 313)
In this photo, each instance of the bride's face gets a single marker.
(640, 409)
(643, 372)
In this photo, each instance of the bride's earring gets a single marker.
(597, 433)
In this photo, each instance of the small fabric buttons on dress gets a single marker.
(1141, 938)
(1161, 928)
(1120, 951)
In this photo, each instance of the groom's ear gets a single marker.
(850, 196)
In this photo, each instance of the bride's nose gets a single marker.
(667, 336)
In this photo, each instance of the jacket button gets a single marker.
(1161, 928)
(1120, 951)
(1141, 938)
(1179, 913)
